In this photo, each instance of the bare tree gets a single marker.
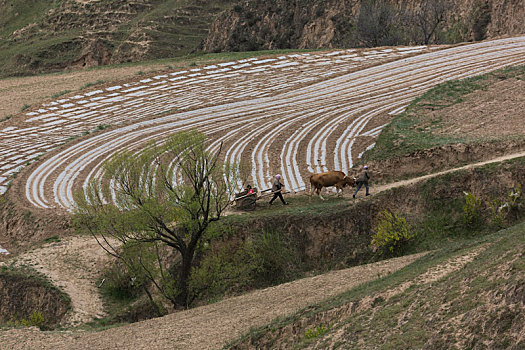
(157, 206)
(377, 23)
(427, 18)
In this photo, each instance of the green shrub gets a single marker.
(35, 320)
(392, 235)
(511, 209)
(496, 208)
(471, 210)
(316, 332)
(58, 94)
(118, 283)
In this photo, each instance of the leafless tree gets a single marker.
(377, 23)
(427, 18)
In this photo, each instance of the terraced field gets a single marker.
(293, 114)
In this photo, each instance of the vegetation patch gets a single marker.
(417, 128)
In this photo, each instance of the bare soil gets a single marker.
(74, 263)
(481, 115)
(15, 93)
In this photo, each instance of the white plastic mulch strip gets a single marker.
(3, 251)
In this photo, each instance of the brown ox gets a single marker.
(328, 179)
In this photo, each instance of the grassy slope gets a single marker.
(18, 14)
(176, 27)
(413, 129)
(451, 310)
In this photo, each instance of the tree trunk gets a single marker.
(187, 260)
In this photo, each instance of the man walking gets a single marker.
(277, 189)
(363, 180)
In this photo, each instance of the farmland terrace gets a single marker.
(291, 114)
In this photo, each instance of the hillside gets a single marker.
(47, 36)
(471, 299)
(257, 25)
(43, 36)
(332, 107)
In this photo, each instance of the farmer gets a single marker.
(363, 180)
(277, 189)
(248, 190)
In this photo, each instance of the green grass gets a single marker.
(88, 85)
(61, 93)
(415, 129)
(19, 14)
(7, 117)
(173, 27)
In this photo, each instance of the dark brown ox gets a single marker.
(329, 179)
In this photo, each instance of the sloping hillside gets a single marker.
(464, 282)
(257, 25)
(470, 300)
(43, 36)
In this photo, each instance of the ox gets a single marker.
(328, 179)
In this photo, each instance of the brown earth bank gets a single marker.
(340, 234)
(487, 130)
(293, 334)
(22, 226)
(211, 326)
(441, 158)
(412, 201)
(23, 298)
(255, 25)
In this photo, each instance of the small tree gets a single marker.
(471, 210)
(152, 209)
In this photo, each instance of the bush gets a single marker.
(471, 210)
(35, 320)
(496, 208)
(511, 209)
(262, 261)
(317, 331)
(392, 234)
(118, 283)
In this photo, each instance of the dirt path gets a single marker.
(211, 326)
(429, 176)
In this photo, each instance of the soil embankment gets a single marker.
(30, 300)
(211, 326)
